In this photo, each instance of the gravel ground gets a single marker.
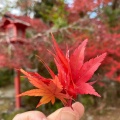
(7, 105)
(6, 99)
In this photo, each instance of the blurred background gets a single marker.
(25, 27)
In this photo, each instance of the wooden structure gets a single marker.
(14, 28)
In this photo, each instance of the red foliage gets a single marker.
(15, 56)
(15, 50)
(101, 40)
(71, 80)
(80, 8)
(19, 54)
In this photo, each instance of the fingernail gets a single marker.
(67, 116)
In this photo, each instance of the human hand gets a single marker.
(65, 113)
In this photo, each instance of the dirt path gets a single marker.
(6, 99)
(108, 113)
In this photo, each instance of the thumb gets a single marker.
(67, 113)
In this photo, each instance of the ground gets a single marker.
(6, 100)
(108, 114)
(7, 105)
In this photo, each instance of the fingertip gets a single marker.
(30, 115)
(54, 115)
(66, 113)
(79, 108)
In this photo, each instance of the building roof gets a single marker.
(13, 19)
(36, 24)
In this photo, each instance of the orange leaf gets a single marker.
(48, 91)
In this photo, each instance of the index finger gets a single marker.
(30, 115)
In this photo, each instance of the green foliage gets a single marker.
(6, 76)
(113, 16)
(42, 70)
(10, 116)
(40, 11)
(52, 12)
(87, 100)
(53, 67)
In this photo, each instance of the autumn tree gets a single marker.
(96, 20)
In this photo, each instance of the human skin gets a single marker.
(65, 113)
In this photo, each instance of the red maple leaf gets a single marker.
(73, 73)
(71, 80)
